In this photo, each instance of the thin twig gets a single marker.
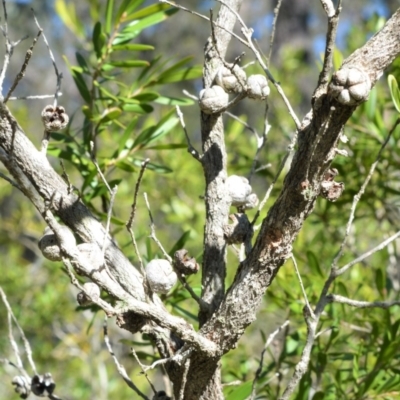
(153, 230)
(302, 287)
(120, 368)
(184, 379)
(112, 192)
(22, 71)
(203, 17)
(133, 213)
(38, 97)
(247, 33)
(289, 152)
(271, 42)
(109, 213)
(143, 370)
(261, 141)
(335, 298)
(268, 342)
(10, 181)
(181, 278)
(333, 21)
(357, 197)
(369, 253)
(28, 350)
(195, 154)
(58, 74)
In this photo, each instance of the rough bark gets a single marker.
(316, 150)
(214, 166)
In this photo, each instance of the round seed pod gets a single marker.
(251, 201)
(213, 99)
(185, 264)
(350, 86)
(92, 253)
(239, 189)
(43, 385)
(22, 386)
(231, 78)
(91, 292)
(48, 243)
(54, 118)
(257, 87)
(160, 275)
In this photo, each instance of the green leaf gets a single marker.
(125, 166)
(180, 243)
(380, 282)
(176, 73)
(67, 14)
(394, 91)
(129, 63)
(241, 392)
(146, 97)
(174, 101)
(314, 263)
(138, 108)
(152, 10)
(81, 84)
(99, 39)
(110, 114)
(133, 47)
(126, 7)
(109, 14)
(157, 131)
(127, 134)
(82, 63)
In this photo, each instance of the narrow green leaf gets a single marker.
(180, 243)
(133, 47)
(126, 7)
(394, 91)
(67, 14)
(150, 10)
(110, 114)
(314, 263)
(125, 166)
(109, 14)
(98, 39)
(81, 84)
(138, 108)
(146, 97)
(185, 74)
(380, 282)
(157, 131)
(127, 134)
(146, 21)
(82, 63)
(174, 101)
(129, 63)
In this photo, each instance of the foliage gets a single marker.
(126, 112)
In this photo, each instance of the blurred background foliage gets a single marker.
(125, 64)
